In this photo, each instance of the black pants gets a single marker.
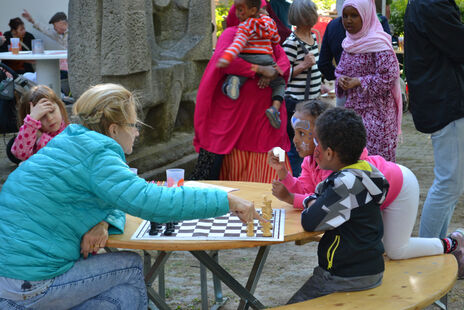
(208, 166)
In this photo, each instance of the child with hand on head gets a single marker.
(347, 207)
(42, 116)
(253, 42)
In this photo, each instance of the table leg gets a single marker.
(204, 287)
(220, 300)
(227, 279)
(151, 272)
(255, 274)
(155, 269)
(48, 73)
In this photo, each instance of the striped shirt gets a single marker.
(297, 84)
(254, 36)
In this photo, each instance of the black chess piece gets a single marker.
(154, 227)
(169, 229)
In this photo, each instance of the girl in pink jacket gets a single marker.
(399, 210)
(42, 116)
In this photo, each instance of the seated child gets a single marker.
(42, 115)
(347, 207)
(253, 43)
(399, 210)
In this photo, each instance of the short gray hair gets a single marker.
(302, 13)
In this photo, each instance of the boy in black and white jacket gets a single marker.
(347, 207)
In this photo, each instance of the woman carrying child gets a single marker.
(303, 53)
(368, 75)
(399, 210)
(233, 137)
(253, 42)
(79, 179)
(42, 116)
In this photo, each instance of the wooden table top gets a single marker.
(247, 190)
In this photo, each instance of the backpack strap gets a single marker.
(308, 75)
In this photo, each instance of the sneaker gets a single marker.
(232, 89)
(458, 235)
(274, 117)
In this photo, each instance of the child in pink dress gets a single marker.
(43, 117)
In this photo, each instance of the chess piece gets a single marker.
(154, 227)
(266, 208)
(250, 229)
(266, 229)
(169, 229)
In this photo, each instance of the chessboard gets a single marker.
(227, 227)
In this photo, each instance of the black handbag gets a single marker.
(7, 89)
(8, 122)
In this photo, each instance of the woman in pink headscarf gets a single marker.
(368, 75)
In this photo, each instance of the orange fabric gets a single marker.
(248, 167)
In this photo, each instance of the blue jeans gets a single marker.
(103, 281)
(448, 185)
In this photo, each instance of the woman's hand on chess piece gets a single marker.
(275, 164)
(94, 239)
(281, 192)
(244, 209)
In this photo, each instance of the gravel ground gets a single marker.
(288, 266)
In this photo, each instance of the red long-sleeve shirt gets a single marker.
(254, 36)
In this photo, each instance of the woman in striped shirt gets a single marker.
(303, 53)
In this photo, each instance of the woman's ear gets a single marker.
(113, 130)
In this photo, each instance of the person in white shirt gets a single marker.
(59, 33)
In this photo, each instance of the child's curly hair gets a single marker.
(343, 131)
(34, 95)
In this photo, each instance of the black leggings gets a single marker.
(208, 166)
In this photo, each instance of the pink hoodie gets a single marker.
(311, 175)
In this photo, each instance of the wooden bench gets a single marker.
(407, 284)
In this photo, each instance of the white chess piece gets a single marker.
(278, 151)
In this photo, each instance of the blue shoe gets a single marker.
(232, 88)
(274, 117)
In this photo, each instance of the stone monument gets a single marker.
(156, 48)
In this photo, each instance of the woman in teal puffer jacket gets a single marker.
(80, 183)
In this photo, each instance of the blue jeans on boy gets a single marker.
(448, 185)
(103, 281)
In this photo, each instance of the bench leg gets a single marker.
(442, 303)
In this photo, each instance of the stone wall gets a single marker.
(156, 48)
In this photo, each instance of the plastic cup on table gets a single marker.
(37, 46)
(14, 45)
(175, 177)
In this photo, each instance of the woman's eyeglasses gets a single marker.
(137, 125)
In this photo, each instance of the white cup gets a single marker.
(37, 46)
(14, 42)
(175, 177)
(14, 45)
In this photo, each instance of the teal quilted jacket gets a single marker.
(79, 179)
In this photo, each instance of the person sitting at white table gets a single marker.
(59, 33)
